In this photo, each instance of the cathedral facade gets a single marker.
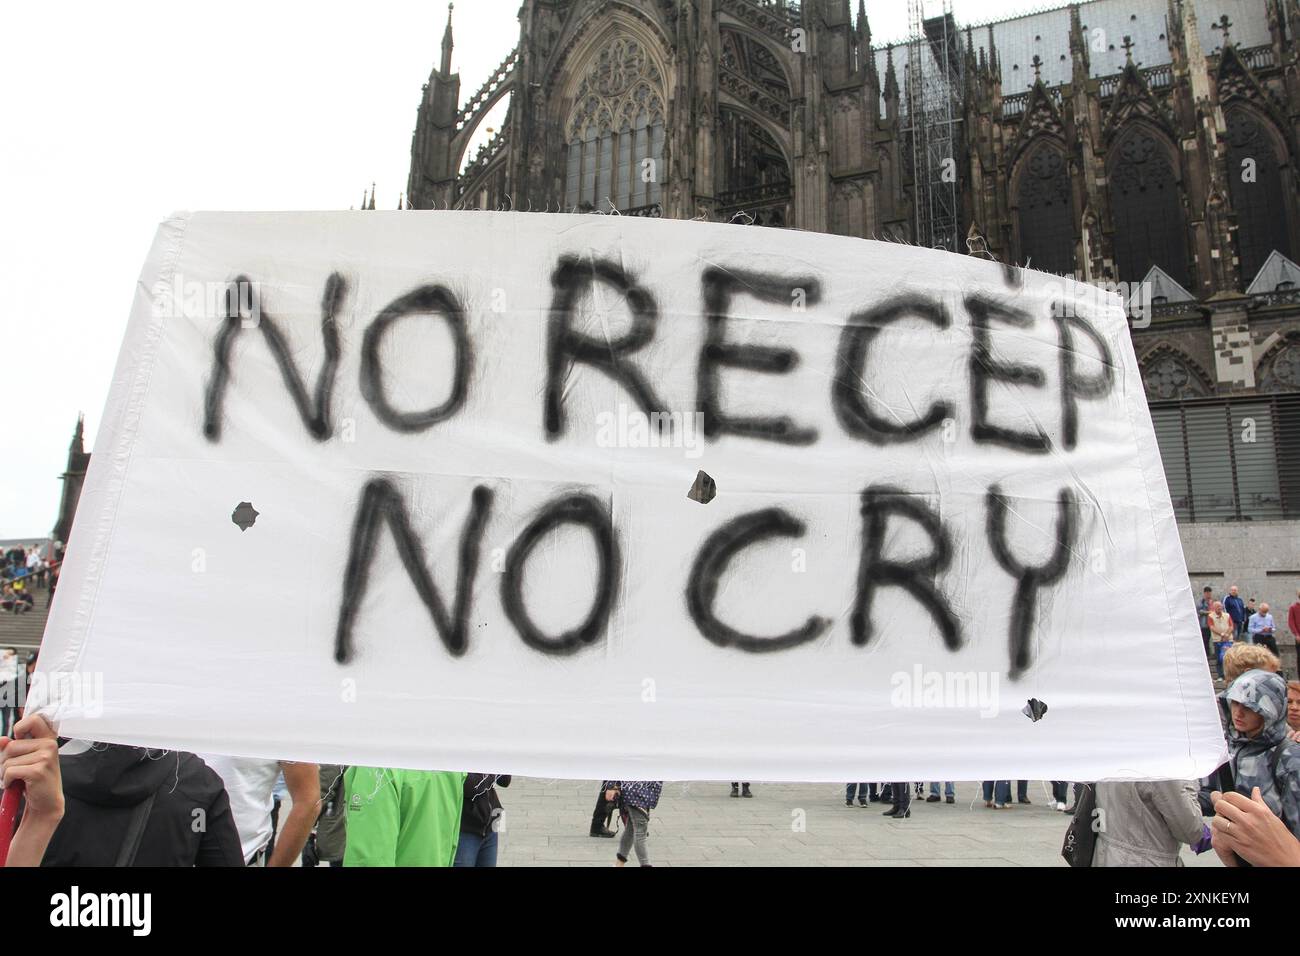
(1153, 143)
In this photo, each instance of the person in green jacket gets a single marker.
(402, 817)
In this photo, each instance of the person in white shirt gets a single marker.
(250, 785)
(1260, 627)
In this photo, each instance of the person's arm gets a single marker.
(32, 756)
(303, 781)
(373, 821)
(1175, 801)
(1293, 621)
(1247, 828)
(1253, 625)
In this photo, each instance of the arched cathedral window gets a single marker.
(615, 132)
(1167, 376)
(1147, 211)
(1046, 219)
(1255, 185)
(1282, 373)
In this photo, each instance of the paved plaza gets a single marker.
(790, 824)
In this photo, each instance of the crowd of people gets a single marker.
(110, 804)
(24, 569)
(1252, 802)
(1231, 620)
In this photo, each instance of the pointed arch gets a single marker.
(1235, 80)
(611, 105)
(584, 39)
(1278, 369)
(760, 58)
(748, 152)
(1169, 373)
(1257, 171)
(751, 73)
(1145, 189)
(1042, 204)
(1042, 117)
(1134, 101)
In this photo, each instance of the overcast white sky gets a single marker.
(114, 115)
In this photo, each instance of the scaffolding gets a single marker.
(933, 78)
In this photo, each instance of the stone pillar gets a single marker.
(1234, 355)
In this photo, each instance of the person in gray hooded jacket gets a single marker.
(1261, 754)
(1145, 822)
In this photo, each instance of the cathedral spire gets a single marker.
(1174, 42)
(864, 28)
(891, 81)
(446, 43)
(1277, 28)
(1080, 63)
(1198, 70)
(995, 71)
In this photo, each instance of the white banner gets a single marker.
(599, 496)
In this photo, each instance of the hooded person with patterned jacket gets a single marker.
(636, 799)
(1261, 754)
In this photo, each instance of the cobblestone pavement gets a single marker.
(699, 824)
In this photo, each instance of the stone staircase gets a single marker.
(24, 631)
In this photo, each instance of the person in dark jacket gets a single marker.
(129, 806)
(604, 812)
(478, 819)
(1236, 608)
(902, 805)
(329, 841)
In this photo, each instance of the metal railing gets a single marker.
(1257, 57)
(762, 193)
(1016, 103)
